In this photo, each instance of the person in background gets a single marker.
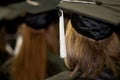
(51, 32)
(4, 51)
(8, 27)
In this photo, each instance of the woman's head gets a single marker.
(91, 54)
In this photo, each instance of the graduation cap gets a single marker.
(35, 6)
(32, 6)
(104, 10)
(36, 10)
(92, 18)
(42, 20)
(9, 17)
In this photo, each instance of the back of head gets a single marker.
(92, 43)
(90, 56)
(32, 56)
(29, 64)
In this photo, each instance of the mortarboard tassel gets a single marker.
(9, 49)
(62, 37)
(18, 45)
(34, 3)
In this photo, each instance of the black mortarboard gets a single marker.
(40, 12)
(93, 18)
(42, 20)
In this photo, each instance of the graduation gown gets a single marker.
(65, 75)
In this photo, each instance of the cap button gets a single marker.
(98, 2)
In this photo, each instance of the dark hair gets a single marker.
(7, 2)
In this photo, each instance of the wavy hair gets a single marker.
(90, 56)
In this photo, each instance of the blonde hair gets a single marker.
(90, 56)
(30, 64)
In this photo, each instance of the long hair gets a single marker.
(30, 64)
(90, 56)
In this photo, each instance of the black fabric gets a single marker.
(65, 75)
(1, 24)
(4, 56)
(55, 64)
(11, 26)
(7, 2)
(42, 20)
(91, 28)
(5, 70)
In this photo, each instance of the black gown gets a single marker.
(65, 75)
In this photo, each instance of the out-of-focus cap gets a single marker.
(42, 6)
(4, 12)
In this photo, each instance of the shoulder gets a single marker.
(66, 76)
(61, 76)
(55, 64)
